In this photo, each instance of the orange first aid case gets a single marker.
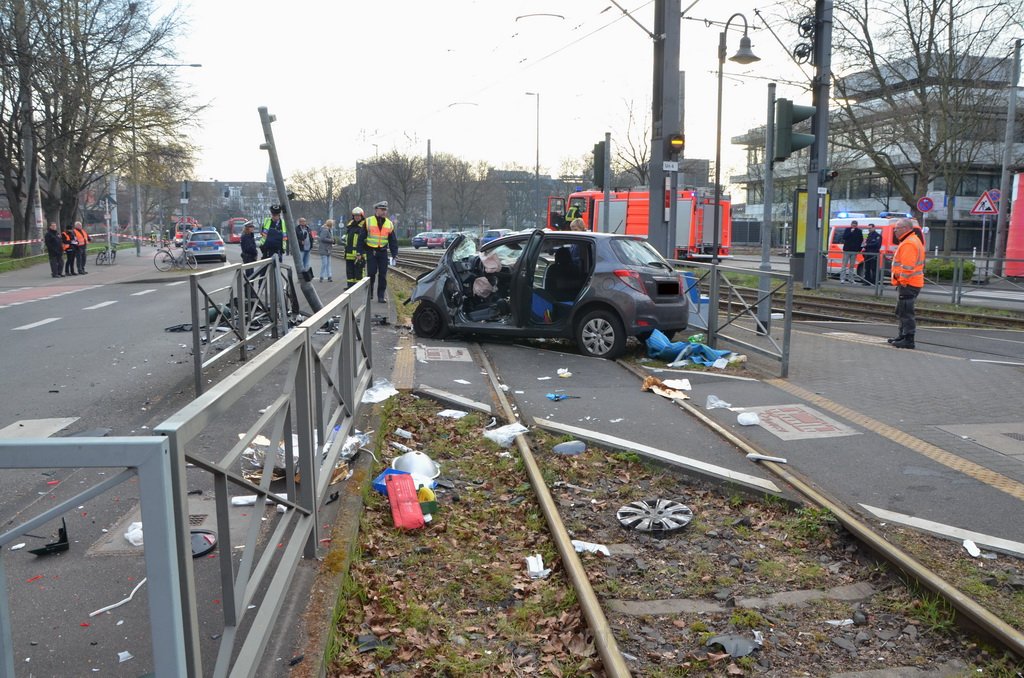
(405, 505)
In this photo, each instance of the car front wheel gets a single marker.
(429, 322)
(600, 334)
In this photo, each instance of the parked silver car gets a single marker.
(596, 288)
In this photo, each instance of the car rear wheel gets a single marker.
(600, 334)
(428, 321)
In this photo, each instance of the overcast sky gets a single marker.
(349, 79)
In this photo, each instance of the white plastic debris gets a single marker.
(564, 373)
(120, 602)
(721, 363)
(972, 548)
(714, 402)
(134, 534)
(754, 456)
(748, 419)
(452, 414)
(379, 392)
(535, 567)
(678, 384)
(18, 546)
(124, 656)
(590, 547)
(839, 622)
(462, 381)
(758, 637)
(504, 435)
(402, 433)
(250, 499)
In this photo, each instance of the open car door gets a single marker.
(522, 280)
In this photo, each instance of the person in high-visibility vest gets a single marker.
(574, 213)
(355, 231)
(82, 240)
(380, 237)
(70, 250)
(273, 238)
(907, 278)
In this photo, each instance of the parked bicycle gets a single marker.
(165, 260)
(107, 255)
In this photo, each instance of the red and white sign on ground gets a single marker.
(985, 205)
(796, 422)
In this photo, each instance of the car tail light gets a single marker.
(682, 285)
(631, 278)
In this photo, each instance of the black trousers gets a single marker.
(871, 267)
(353, 271)
(55, 265)
(69, 261)
(377, 270)
(905, 309)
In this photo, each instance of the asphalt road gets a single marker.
(92, 348)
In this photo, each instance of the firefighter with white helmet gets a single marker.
(355, 232)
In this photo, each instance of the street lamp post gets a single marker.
(136, 196)
(536, 167)
(743, 56)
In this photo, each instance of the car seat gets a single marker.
(564, 277)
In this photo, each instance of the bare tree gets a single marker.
(463, 193)
(94, 86)
(921, 100)
(632, 155)
(403, 180)
(317, 188)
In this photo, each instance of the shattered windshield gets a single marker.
(508, 253)
(465, 250)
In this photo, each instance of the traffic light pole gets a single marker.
(816, 192)
(665, 116)
(607, 180)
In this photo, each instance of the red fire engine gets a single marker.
(628, 213)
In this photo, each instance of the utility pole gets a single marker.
(305, 283)
(664, 118)
(330, 198)
(430, 188)
(1004, 178)
(817, 204)
(764, 309)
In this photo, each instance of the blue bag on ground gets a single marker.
(658, 346)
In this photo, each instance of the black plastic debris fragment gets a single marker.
(659, 517)
(333, 498)
(296, 659)
(735, 646)
(368, 642)
(183, 327)
(203, 541)
(62, 544)
(195, 491)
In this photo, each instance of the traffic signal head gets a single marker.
(786, 140)
(676, 144)
(599, 151)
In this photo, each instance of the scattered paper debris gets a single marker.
(564, 373)
(589, 547)
(535, 567)
(452, 414)
(124, 656)
(134, 534)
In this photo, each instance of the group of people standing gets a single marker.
(854, 243)
(67, 250)
(369, 243)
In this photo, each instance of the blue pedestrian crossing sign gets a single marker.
(985, 205)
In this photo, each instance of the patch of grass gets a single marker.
(743, 618)
(812, 524)
(631, 457)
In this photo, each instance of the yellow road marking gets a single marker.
(403, 373)
(937, 454)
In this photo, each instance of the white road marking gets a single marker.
(995, 543)
(139, 294)
(100, 305)
(180, 282)
(41, 322)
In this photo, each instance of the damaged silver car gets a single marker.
(596, 288)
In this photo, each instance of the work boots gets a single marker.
(906, 341)
(893, 340)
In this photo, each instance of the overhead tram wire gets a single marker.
(497, 81)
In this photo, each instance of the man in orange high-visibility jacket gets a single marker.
(907, 278)
(82, 241)
(378, 239)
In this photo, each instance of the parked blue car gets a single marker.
(494, 234)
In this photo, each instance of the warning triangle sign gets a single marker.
(985, 205)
